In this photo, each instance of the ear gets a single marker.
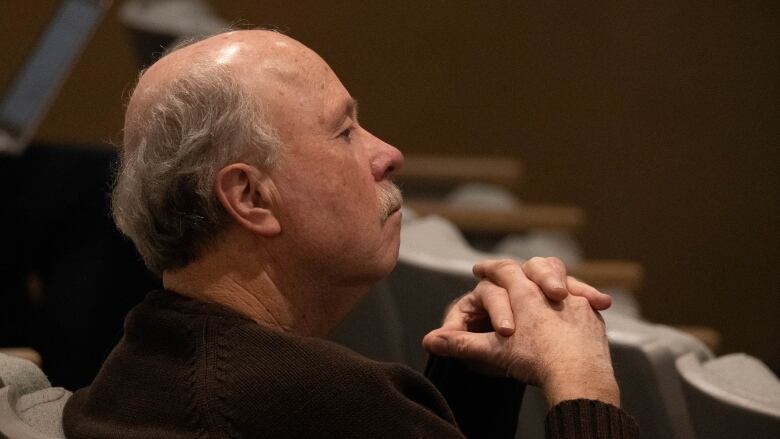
(246, 194)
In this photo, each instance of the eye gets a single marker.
(347, 133)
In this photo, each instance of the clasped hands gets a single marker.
(533, 322)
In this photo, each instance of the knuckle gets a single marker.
(460, 346)
(556, 264)
(493, 296)
(506, 264)
(486, 292)
(536, 260)
(457, 300)
(531, 288)
(509, 267)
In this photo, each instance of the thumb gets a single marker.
(461, 344)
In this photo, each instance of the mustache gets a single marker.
(390, 199)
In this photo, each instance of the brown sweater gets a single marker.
(187, 369)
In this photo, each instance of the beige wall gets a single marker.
(660, 120)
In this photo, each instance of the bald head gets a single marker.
(249, 50)
(198, 108)
(268, 64)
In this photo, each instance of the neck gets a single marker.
(255, 296)
(256, 287)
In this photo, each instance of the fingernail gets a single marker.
(559, 285)
(505, 324)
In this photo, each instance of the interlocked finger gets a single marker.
(549, 274)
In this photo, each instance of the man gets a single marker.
(248, 184)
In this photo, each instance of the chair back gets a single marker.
(733, 396)
(29, 407)
(374, 328)
(643, 356)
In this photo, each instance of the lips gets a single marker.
(394, 210)
(391, 211)
(390, 199)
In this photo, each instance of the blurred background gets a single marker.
(660, 120)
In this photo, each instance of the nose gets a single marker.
(386, 159)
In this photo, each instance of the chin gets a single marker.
(382, 260)
(392, 260)
(386, 263)
(391, 266)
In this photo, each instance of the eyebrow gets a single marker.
(349, 108)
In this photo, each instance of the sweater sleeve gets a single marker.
(487, 407)
(583, 418)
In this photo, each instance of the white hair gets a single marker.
(163, 197)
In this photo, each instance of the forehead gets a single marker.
(303, 94)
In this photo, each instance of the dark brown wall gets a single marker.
(660, 119)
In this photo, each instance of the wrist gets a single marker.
(594, 385)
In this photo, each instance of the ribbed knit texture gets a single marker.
(187, 369)
(583, 418)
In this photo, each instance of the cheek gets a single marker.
(330, 189)
(345, 191)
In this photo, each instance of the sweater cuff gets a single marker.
(584, 418)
